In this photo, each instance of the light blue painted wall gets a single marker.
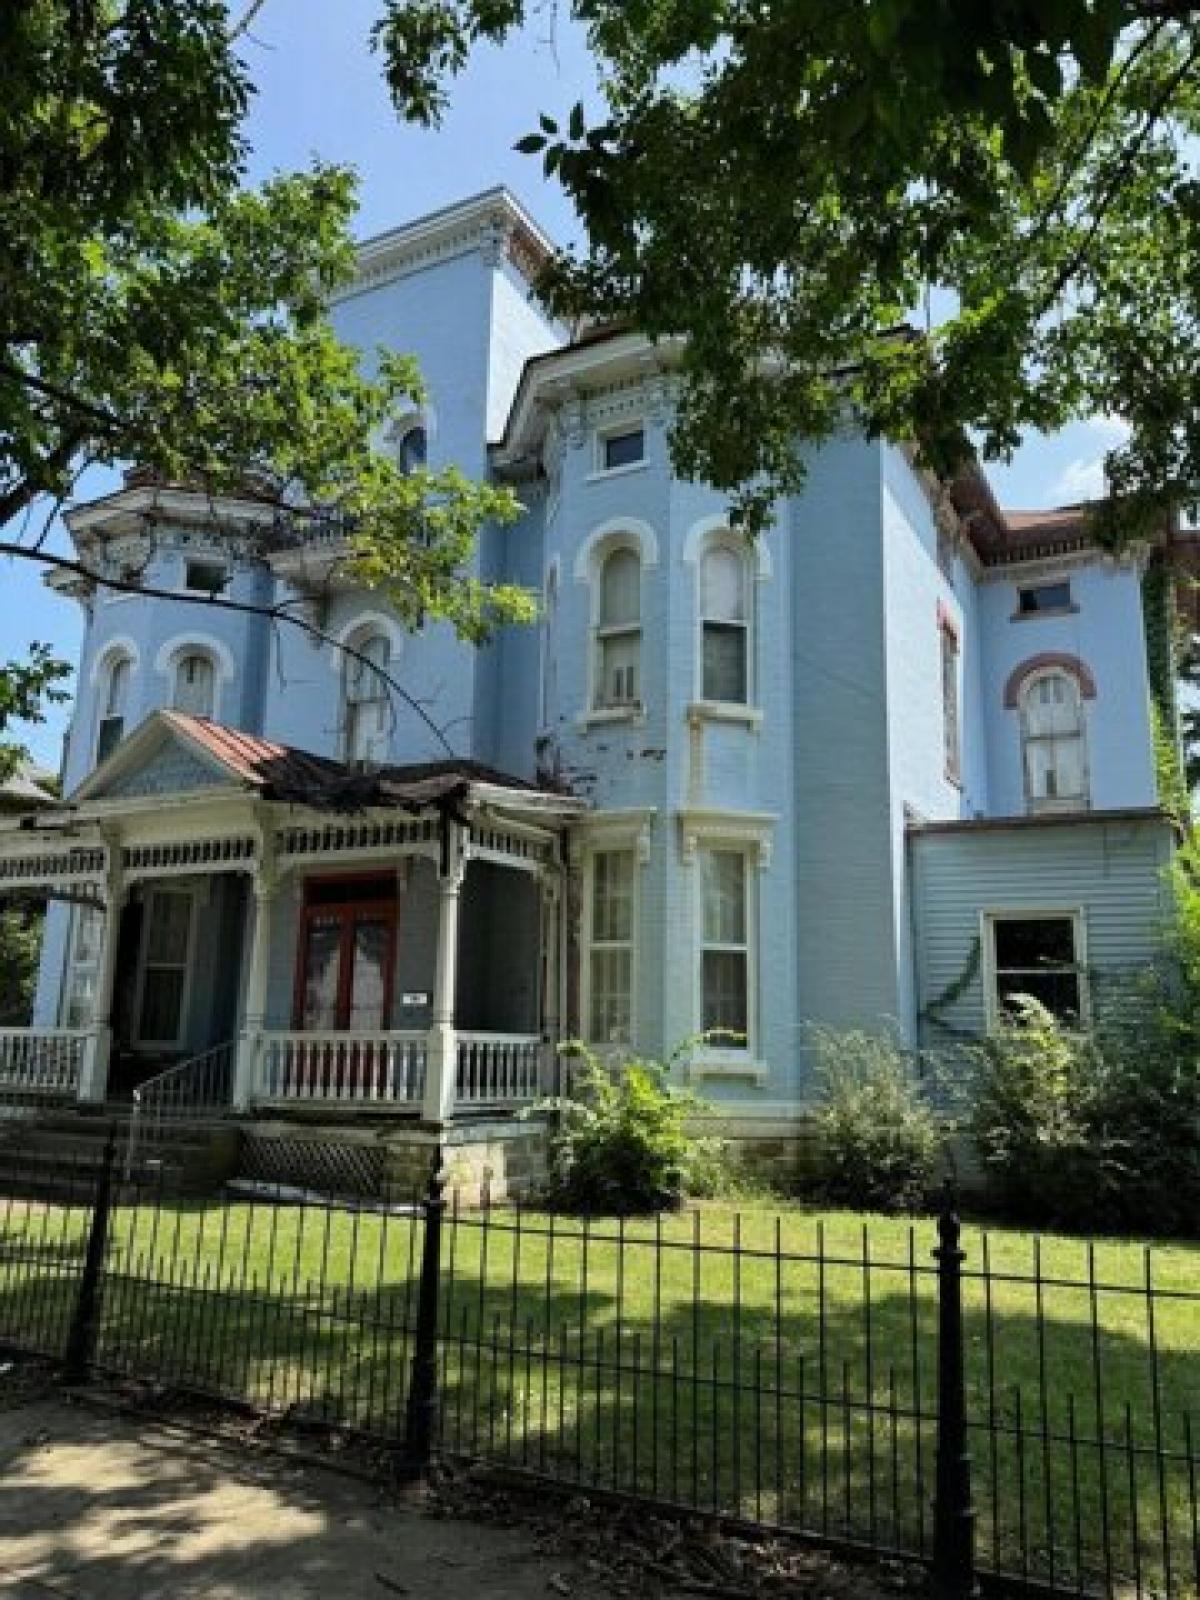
(1106, 633)
(1113, 871)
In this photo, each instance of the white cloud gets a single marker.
(1111, 430)
(1081, 479)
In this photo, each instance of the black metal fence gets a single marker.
(1029, 1399)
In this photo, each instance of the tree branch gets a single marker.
(280, 613)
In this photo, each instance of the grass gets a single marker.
(781, 1365)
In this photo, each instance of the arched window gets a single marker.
(412, 448)
(114, 706)
(724, 626)
(195, 685)
(366, 711)
(550, 647)
(1052, 734)
(619, 630)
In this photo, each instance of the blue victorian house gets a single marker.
(889, 766)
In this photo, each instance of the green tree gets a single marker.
(154, 309)
(20, 943)
(782, 186)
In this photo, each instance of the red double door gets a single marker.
(347, 955)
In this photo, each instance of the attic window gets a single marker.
(1040, 598)
(205, 577)
(624, 449)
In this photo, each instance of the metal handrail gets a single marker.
(199, 1089)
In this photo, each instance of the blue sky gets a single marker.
(321, 93)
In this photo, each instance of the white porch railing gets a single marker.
(498, 1069)
(361, 1069)
(43, 1061)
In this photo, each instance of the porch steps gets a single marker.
(57, 1154)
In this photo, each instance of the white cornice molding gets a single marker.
(493, 222)
(704, 825)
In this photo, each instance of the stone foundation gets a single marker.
(496, 1159)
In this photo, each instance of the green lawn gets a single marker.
(783, 1366)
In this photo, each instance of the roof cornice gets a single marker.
(494, 222)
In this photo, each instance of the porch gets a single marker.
(255, 954)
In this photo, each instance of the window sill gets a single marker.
(724, 711)
(603, 474)
(607, 716)
(740, 1067)
(1042, 616)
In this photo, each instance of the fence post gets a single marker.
(421, 1417)
(953, 1512)
(81, 1337)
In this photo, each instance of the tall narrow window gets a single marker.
(951, 721)
(367, 708)
(610, 953)
(725, 951)
(412, 449)
(195, 684)
(619, 631)
(550, 648)
(114, 707)
(724, 627)
(1052, 729)
(166, 949)
(87, 935)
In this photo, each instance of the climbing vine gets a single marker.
(953, 992)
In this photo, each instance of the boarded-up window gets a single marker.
(1052, 727)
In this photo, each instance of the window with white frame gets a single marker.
(724, 944)
(195, 686)
(1052, 733)
(79, 994)
(166, 951)
(951, 721)
(366, 709)
(620, 448)
(114, 705)
(610, 929)
(724, 626)
(618, 643)
(1039, 954)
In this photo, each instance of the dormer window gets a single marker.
(619, 631)
(621, 449)
(194, 687)
(114, 706)
(366, 702)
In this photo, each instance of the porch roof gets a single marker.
(287, 774)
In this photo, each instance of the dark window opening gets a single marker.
(1037, 956)
(1044, 597)
(624, 449)
(206, 577)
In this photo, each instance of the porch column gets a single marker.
(551, 935)
(93, 1077)
(254, 1011)
(441, 1060)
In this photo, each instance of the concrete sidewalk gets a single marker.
(95, 1506)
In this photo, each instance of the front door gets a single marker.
(347, 956)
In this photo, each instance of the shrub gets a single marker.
(621, 1146)
(1035, 1116)
(878, 1140)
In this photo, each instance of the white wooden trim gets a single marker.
(725, 1060)
(190, 890)
(717, 529)
(614, 833)
(123, 645)
(617, 530)
(990, 915)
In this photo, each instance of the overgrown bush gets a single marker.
(879, 1141)
(1035, 1116)
(621, 1146)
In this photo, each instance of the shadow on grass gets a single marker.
(787, 1388)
